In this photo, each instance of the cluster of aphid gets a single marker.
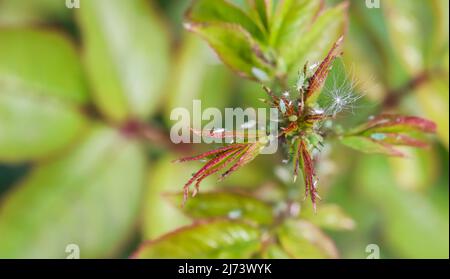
(301, 129)
(297, 118)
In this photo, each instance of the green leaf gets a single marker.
(262, 10)
(225, 204)
(291, 22)
(302, 240)
(126, 54)
(391, 123)
(368, 145)
(328, 216)
(213, 239)
(318, 40)
(34, 126)
(89, 198)
(235, 47)
(44, 61)
(41, 82)
(220, 11)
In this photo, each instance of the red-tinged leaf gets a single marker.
(236, 155)
(320, 75)
(208, 153)
(392, 123)
(250, 154)
(399, 139)
(307, 165)
(208, 167)
(274, 99)
(368, 145)
(219, 166)
(296, 155)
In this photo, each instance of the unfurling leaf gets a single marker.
(234, 45)
(327, 26)
(368, 145)
(233, 156)
(318, 79)
(262, 10)
(221, 11)
(380, 134)
(396, 124)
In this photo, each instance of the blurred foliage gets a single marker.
(85, 102)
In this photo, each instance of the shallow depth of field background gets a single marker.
(401, 205)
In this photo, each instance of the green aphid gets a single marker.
(378, 136)
(301, 81)
(315, 140)
(282, 107)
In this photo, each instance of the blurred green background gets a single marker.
(77, 84)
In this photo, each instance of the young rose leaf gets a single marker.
(235, 47)
(303, 240)
(399, 139)
(391, 123)
(218, 239)
(305, 163)
(329, 216)
(234, 155)
(262, 9)
(225, 204)
(291, 21)
(320, 75)
(327, 27)
(368, 145)
(221, 11)
(381, 133)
